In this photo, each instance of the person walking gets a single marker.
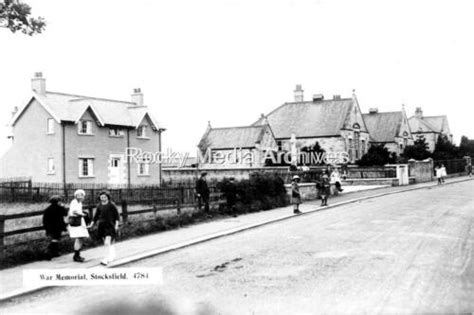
(469, 169)
(438, 173)
(443, 173)
(202, 192)
(54, 225)
(325, 188)
(231, 196)
(77, 225)
(108, 220)
(295, 194)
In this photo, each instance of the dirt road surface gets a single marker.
(404, 253)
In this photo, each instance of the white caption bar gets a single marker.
(113, 276)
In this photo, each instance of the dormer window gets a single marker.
(141, 132)
(84, 127)
(116, 132)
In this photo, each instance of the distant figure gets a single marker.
(325, 188)
(231, 196)
(469, 169)
(77, 224)
(438, 173)
(336, 180)
(202, 192)
(108, 218)
(295, 194)
(54, 225)
(443, 173)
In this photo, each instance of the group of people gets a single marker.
(323, 186)
(79, 220)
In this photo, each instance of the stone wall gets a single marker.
(422, 171)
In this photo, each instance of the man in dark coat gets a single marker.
(54, 225)
(202, 192)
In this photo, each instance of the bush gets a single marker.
(377, 154)
(260, 192)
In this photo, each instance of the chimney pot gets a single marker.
(373, 110)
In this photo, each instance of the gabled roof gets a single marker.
(436, 122)
(383, 127)
(421, 125)
(233, 137)
(70, 107)
(310, 119)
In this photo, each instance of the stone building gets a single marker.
(390, 129)
(429, 127)
(236, 147)
(336, 124)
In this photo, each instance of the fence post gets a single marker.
(124, 211)
(2, 230)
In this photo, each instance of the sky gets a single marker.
(228, 61)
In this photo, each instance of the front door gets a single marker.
(116, 170)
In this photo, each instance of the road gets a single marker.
(403, 253)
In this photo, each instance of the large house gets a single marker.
(429, 127)
(68, 138)
(390, 129)
(336, 124)
(236, 147)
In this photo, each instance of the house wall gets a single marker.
(430, 137)
(99, 146)
(32, 146)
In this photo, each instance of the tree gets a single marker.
(377, 154)
(15, 15)
(444, 149)
(314, 154)
(466, 147)
(418, 151)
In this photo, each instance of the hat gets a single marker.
(55, 199)
(79, 191)
(296, 177)
(105, 192)
(203, 174)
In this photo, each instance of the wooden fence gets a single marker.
(216, 198)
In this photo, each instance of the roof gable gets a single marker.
(70, 107)
(310, 119)
(384, 127)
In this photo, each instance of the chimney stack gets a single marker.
(137, 97)
(299, 97)
(38, 83)
(419, 113)
(373, 110)
(318, 97)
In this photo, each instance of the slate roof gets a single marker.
(233, 137)
(70, 107)
(383, 127)
(436, 122)
(310, 119)
(427, 124)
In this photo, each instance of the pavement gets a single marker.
(11, 279)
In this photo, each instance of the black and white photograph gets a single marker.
(231, 157)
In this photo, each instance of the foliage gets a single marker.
(260, 192)
(466, 147)
(377, 154)
(444, 149)
(15, 15)
(418, 151)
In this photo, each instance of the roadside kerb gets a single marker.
(167, 249)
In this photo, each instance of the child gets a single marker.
(295, 194)
(54, 225)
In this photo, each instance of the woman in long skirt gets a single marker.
(325, 188)
(295, 194)
(108, 218)
(77, 225)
